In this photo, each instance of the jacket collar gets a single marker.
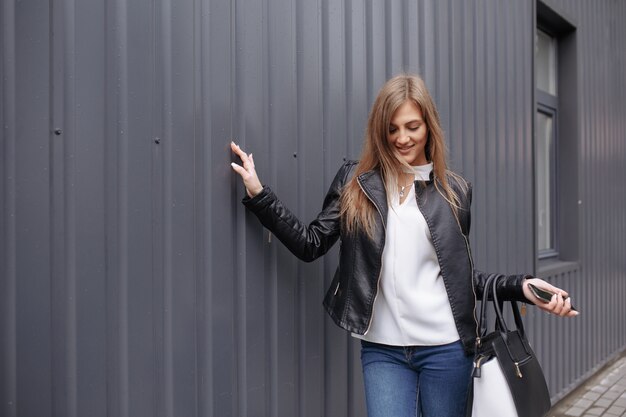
(373, 186)
(377, 185)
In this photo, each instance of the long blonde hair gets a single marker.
(357, 212)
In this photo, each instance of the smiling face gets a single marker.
(408, 133)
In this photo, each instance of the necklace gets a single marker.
(403, 187)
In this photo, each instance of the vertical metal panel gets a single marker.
(8, 205)
(134, 283)
(309, 103)
(33, 211)
(85, 80)
(255, 343)
(220, 319)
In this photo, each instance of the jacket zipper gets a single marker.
(337, 288)
(471, 265)
(380, 213)
(369, 324)
(469, 255)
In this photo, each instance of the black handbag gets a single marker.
(507, 378)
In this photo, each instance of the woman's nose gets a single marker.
(404, 137)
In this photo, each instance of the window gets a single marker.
(556, 139)
(546, 149)
(545, 50)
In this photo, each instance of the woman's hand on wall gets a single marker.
(560, 304)
(247, 171)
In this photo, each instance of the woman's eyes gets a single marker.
(393, 129)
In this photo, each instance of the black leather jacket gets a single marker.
(350, 298)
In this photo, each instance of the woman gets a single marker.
(405, 285)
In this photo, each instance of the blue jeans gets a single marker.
(427, 381)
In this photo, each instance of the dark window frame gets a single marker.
(553, 250)
(565, 103)
(548, 104)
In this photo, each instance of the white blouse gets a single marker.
(412, 306)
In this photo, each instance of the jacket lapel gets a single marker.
(372, 184)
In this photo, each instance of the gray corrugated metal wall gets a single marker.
(599, 277)
(134, 283)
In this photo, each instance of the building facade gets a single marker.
(134, 283)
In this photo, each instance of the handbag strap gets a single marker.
(482, 323)
(519, 325)
(502, 323)
(491, 285)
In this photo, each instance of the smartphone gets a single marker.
(543, 295)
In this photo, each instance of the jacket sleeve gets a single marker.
(509, 287)
(307, 242)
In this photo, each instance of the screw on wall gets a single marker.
(157, 140)
(58, 131)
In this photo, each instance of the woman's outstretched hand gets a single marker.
(247, 171)
(560, 304)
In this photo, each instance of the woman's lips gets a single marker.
(405, 150)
